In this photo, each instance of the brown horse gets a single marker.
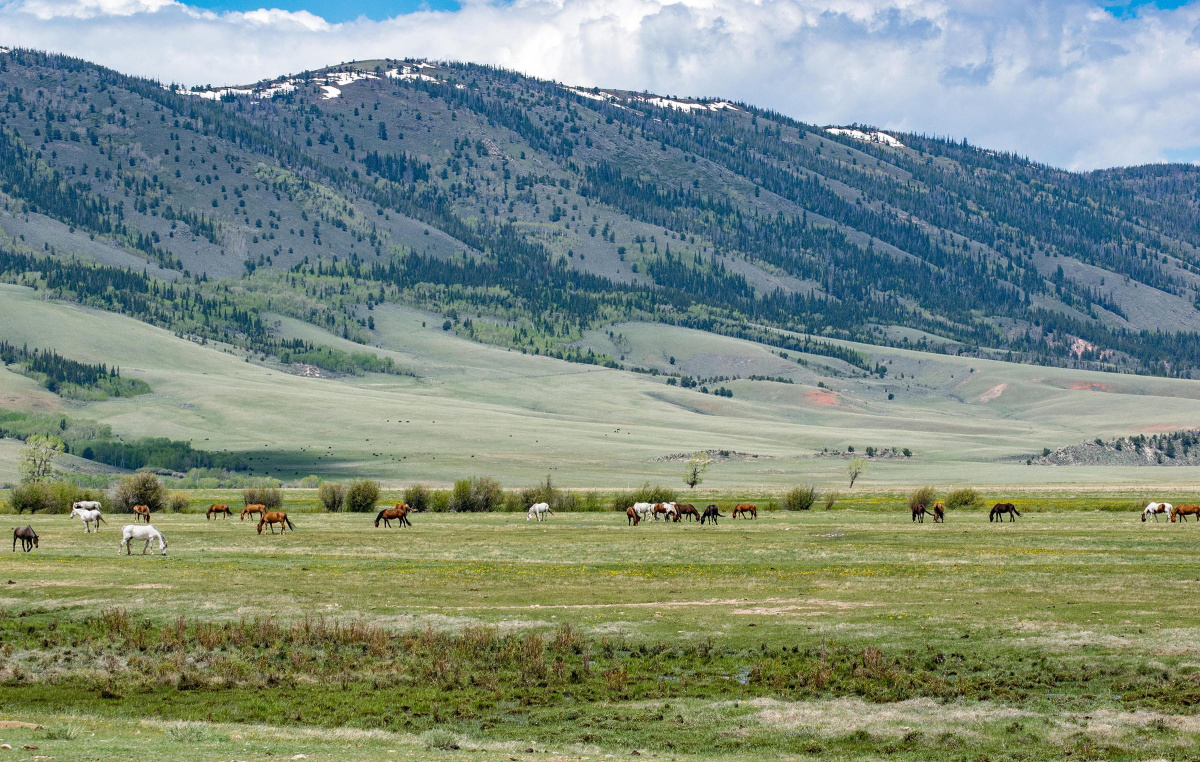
(686, 509)
(217, 510)
(745, 509)
(1183, 511)
(28, 538)
(939, 513)
(400, 512)
(271, 518)
(711, 513)
(141, 512)
(999, 509)
(252, 509)
(633, 516)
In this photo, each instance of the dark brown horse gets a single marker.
(633, 516)
(141, 512)
(686, 509)
(252, 509)
(400, 513)
(217, 509)
(711, 513)
(1183, 511)
(271, 518)
(999, 509)
(744, 510)
(28, 538)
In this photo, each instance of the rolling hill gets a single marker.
(309, 223)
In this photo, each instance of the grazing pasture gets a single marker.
(839, 634)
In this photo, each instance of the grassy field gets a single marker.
(846, 634)
(472, 409)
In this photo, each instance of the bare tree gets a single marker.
(855, 469)
(694, 473)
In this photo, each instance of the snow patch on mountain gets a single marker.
(689, 106)
(875, 136)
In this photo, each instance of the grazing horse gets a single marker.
(88, 515)
(215, 510)
(744, 510)
(271, 518)
(1183, 511)
(634, 517)
(400, 513)
(539, 510)
(918, 513)
(686, 509)
(252, 509)
(28, 538)
(999, 509)
(644, 510)
(939, 513)
(131, 532)
(1153, 509)
(141, 511)
(711, 513)
(667, 509)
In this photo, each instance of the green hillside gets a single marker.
(471, 409)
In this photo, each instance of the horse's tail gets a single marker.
(1016, 511)
(100, 518)
(291, 526)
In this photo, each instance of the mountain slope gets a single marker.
(527, 213)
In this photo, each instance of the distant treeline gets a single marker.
(68, 377)
(97, 442)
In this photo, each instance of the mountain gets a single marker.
(528, 212)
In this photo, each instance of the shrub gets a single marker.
(559, 500)
(922, 498)
(479, 493)
(418, 498)
(800, 498)
(32, 497)
(63, 494)
(963, 498)
(140, 489)
(332, 496)
(643, 494)
(362, 495)
(831, 498)
(179, 502)
(263, 495)
(439, 501)
(439, 738)
(311, 481)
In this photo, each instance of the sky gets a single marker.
(1080, 84)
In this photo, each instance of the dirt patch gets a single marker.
(840, 716)
(1090, 386)
(12, 724)
(823, 398)
(992, 393)
(151, 586)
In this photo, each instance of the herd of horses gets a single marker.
(1174, 512)
(676, 512)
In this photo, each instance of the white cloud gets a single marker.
(1060, 80)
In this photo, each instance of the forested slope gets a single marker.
(527, 212)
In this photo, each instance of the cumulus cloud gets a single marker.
(1062, 81)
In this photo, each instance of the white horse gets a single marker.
(88, 511)
(538, 510)
(145, 532)
(1153, 509)
(644, 510)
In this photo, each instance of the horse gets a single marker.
(1153, 509)
(918, 513)
(711, 513)
(667, 509)
(939, 513)
(634, 517)
(743, 509)
(1183, 511)
(538, 510)
(271, 518)
(999, 509)
(252, 509)
(145, 532)
(644, 510)
(141, 511)
(215, 510)
(686, 509)
(400, 512)
(28, 538)
(88, 515)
